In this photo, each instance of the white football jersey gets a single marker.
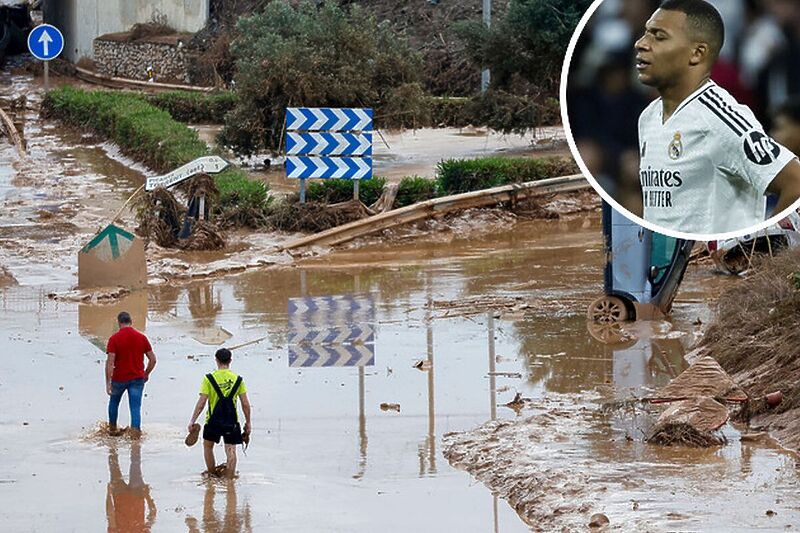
(706, 169)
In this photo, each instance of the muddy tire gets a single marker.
(607, 309)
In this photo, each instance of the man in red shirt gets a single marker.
(125, 371)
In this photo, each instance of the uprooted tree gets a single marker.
(315, 54)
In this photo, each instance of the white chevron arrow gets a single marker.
(364, 119)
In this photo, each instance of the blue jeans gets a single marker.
(135, 388)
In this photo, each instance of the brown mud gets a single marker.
(755, 337)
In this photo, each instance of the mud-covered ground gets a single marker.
(469, 311)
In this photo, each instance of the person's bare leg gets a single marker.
(230, 454)
(208, 455)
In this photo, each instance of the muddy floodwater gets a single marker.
(325, 456)
(348, 438)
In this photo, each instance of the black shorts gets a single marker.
(214, 433)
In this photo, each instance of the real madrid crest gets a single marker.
(675, 147)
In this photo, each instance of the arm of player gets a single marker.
(198, 408)
(151, 364)
(786, 185)
(246, 410)
(111, 357)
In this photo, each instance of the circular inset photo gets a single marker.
(685, 114)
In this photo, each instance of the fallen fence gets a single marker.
(440, 206)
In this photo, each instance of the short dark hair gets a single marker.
(223, 355)
(703, 19)
(124, 317)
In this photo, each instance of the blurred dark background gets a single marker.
(759, 66)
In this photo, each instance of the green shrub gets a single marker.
(450, 112)
(315, 54)
(414, 189)
(334, 191)
(463, 175)
(152, 136)
(141, 130)
(185, 106)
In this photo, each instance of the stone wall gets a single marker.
(115, 56)
(82, 20)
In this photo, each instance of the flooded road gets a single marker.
(325, 456)
(350, 438)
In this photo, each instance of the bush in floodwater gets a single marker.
(463, 175)
(141, 130)
(242, 201)
(334, 191)
(151, 135)
(316, 54)
(414, 189)
(185, 106)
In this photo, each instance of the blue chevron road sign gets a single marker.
(353, 144)
(318, 334)
(331, 331)
(309, 355)
(349, 168)
(331, 310)
(328, 119)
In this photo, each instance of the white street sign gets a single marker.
(210, 164)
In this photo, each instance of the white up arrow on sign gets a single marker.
(210, 164)
(45, 41)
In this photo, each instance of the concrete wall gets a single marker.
(82, 20)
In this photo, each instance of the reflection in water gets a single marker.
(493, 399)
(125, 502)
(204, 305)
(638, 356)
(96, 323)
(233, 520)
(427, 449)
(362, 427)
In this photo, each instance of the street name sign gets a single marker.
(210, 164)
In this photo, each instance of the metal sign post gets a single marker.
(45, 42)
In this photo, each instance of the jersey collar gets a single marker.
(700, 90)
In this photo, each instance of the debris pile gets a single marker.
(314, 217)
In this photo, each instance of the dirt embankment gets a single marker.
(756, 339)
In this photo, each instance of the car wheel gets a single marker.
(607, 309)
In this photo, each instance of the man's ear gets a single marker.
(699, 54)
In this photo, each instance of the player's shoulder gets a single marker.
(722, 112)
(651, 112)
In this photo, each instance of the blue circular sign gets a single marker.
(45, 42)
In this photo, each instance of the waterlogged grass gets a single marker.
(463, 175)
(193, 107)
(150, 135)
(415, 189)
(142, 131)
(334, 191)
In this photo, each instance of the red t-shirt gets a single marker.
(129, 347)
